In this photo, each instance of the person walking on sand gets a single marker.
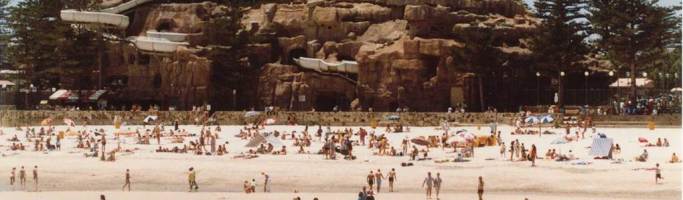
(371, 179)
(379, 176)
(266, 182)
(22, 177)
(658, 174)
(12, 177)
(480, 188)
(532, 155)
(127, 181)
(429, 181)
(437, 184)
(392, 178)
(192, 179)
(35, 178)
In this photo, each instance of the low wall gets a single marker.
(22, 117)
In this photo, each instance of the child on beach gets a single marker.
(658, 174)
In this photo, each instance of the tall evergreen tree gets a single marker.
(48, 48)
(559, 45)
(229, 71)
(634, 33)
(37, 35)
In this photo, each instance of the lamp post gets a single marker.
(234, 99)
(611, 74)
(585, 74)
(666, 81)
(538, 88)
(560, 95)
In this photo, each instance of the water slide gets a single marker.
(165, 42)
(345, 66)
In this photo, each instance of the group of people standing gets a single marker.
(375, 179)
(22, 177)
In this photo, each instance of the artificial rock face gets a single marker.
(410, 53)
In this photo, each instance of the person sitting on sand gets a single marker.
(549, 154)
(659, 142)
(642, 157)
(246, 187)
(666, 143)
(283, 151)
(674, 158)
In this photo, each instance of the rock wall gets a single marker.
(410, 53)
(405, 49)
(10, 118)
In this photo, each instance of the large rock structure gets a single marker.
(410, 53)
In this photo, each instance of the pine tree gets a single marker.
(48, 48)
(36, 36)
(559, 45)
(229, 71)
(634, 33)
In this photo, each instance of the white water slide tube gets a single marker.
(170, 36)
(117, 20)
(156, 44)
(125, 6)
(345, 66)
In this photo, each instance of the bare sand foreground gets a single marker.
(67, 174)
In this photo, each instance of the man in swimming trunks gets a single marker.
(392, 178)
(429, 181)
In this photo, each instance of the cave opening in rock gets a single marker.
(296, 53)
(430, 65)
(325, 101)
(165, 26)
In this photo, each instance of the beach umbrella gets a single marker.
(69, 122)
(547, 119)
(150, 118)
(676, 89)
(420, 141)
(251, 114)
(452, 140)
(467, 135)
(531, 120)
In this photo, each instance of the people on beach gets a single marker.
(392, 178)
(428, 184)
(126, 181)
(437, 184)
(379, 176)
(674, 158)
(12, 177)
(266, 182)
(192, 179)
(480, 188)
(371, 179)
(658, 174)
(532, 155)
(22, 177)
(35, 178)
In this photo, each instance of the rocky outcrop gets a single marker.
(407, 51)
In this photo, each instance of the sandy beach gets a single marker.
(67, 174)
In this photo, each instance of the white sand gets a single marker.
(66, 175)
